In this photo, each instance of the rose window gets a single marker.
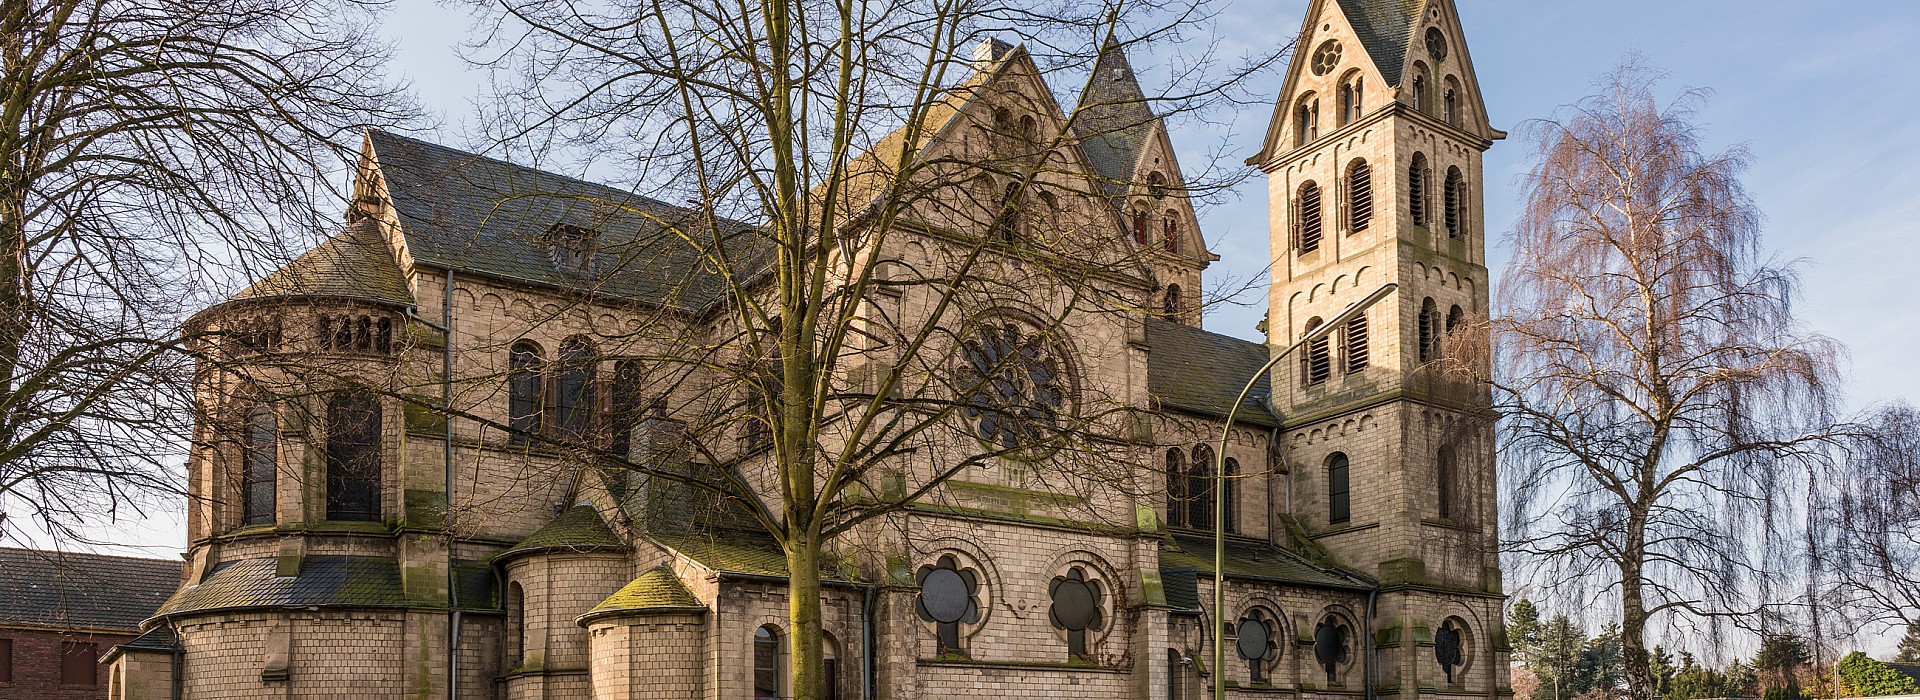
(1015, 386)
(1326, 58)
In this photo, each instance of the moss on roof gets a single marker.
(657, 590)
(323, 581)
(579, 529)
(1252, 560)
(355, 263)
(729, 551)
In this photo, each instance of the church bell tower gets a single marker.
(1373, 160)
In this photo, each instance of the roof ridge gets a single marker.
(62, 553)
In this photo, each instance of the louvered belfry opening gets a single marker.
(1360, 195)
(1456, 190)
(1417, 190)
(1317, 364)
(1355, 343)
(1310, 218)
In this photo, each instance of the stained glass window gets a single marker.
(1015, 385)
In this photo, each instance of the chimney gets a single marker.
(989, 51)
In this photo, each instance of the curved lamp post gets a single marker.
(1220, 481)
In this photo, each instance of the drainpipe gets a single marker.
(869, 675)
(1372, 596)
(445, 326)
(176, 691)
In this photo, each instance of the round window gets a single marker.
(1015, 383)
(1327, 57)
(1436, 44)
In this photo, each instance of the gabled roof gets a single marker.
(579, 529)
(355, 263)
(1251, 560)
(1114, 121)
(66, 590)
(489, 216)
(1201, 372)
(656, 591)
(1385, 29)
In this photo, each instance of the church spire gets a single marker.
(1115, 123)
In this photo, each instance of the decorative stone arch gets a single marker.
(1113, 587)
(1334, 644)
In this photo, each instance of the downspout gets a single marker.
(178, 681)
(869, 676)
(446, 403)
(1372, 596)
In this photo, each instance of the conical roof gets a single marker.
(658, 591)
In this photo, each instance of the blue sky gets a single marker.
(1818, 91)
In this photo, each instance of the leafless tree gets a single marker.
(147, 149)
(863, 377)
(1657, 397)
(1874, 517)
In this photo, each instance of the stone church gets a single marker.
(351, 543)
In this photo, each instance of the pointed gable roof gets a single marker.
(355, 263)
(1385, 28)
(1115, 123)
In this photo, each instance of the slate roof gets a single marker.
(66, 590)
(1181, 585)
(1198, 371)
(490, 216)
(657, 590)
(1385, 29)
(323, 581)
(579, 529)
(1251, 561)
(1911, 670)
(357, 263)
(160, 638)
(1114, 121)
(729, 551)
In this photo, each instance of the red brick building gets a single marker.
(62, 613)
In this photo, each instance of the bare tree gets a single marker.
(147, 149)
(1874, 514)
(899, 173)
(1656, 393)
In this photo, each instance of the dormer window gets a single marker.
(572, 248)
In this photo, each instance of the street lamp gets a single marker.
(1220, 481)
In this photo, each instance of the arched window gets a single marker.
(1456, 203)
(1176, 675)
(1455, 316)
(1200, 488)
(625, 405)
(1417, 190)
(1176, 489)
(766, 663)
(830, 658)
(1339, 502)
(1352, 99)
(1450, 102)
(1140, 225)
(353, 457)
(516, 646)
(260, 466)
(1029, 129)
(1307, 219)
(1353, 342)
(1359, 195)
(1317, 363)
(1429, 339)
(1306, 118)
(525, 370)
(1171, 302)
(1422, 89)
(1229, 500)
(1170, 232)
(1445, 475)
(573, 384)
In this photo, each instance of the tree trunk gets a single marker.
(803, 608)
(1633, 616)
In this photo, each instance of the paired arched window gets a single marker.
(1306, 119)
(526, 379)
(353, 457)
(1450, 102)
(1171, 302)
(1307, 218)
(1429, 340)
(574, 403)
(1316, 364)
(1170, 231)
(355, 334)
(1339, 500)
(1359, 195)
(260, 465)
(766, 663)
(1417, 190)
(1353, 343)
(1455, 204)
(1446, 474)
(1422, 89)
(1353, 101)
(1190, 500)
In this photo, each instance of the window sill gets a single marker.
(1066, 666)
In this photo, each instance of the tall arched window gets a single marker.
(1139, 225)
(1307, 219)
(1456, 203)
(353, 457)
(1359, 195)
(1445, 475)
(1450, 102)
(1200, 487)
(525, 370)
(1176, 675)
(1306, 124)
(1170, 231)
(1317, 363)
(1422, 89)
(1339, 502)
(573, 384)
(1229, 498)
(1352, 99)
(1417, 190)
(516, 646)
(1171, 302)
(1455, 316)
(1429, 339)
(1353, 342)
(260, 466)
(1177, 497)
(830, 654)
(766, 663)
(625, 405)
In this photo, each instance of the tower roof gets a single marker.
(656, 591)
(1115, 121)
(579, 529)
(1385, 29)
(355, 263)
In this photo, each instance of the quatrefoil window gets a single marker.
(949, 598)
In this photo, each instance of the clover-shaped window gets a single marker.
(1076, 607)
(1449, 649)
(1015, 386)
(1256, 641)
(949, 598)
(1330, 639)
